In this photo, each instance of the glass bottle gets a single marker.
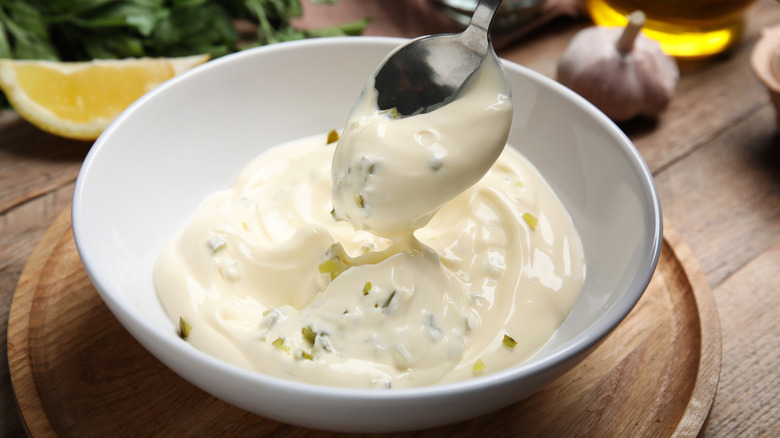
(684, 28)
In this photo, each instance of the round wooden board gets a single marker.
(77, 372)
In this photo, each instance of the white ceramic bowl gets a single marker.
(190, 137)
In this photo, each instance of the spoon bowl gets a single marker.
(428, 73)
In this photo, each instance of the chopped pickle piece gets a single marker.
(509, 342)
(367, 288)
(333, 136)
(366, 165)
(478, 367)
(309, 334)
(358, 198)
(530, 220)
(392, 113)
(184, 329)
(336, 263)
(300, 355)
(270, 317)
(333, 266)
(279, 344)
(245, 226)
(322, 342)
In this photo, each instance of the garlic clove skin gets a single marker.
(775, 61)
(622, 79)
(659, 75)
(765, 61)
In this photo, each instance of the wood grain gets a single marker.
(753, 378)
(725, 197)
(714, 156)
(77, 372)
(37, 171)
(33, 163)
(712, 95)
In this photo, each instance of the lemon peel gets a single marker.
(79, 100)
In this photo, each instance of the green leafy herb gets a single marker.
(82, 30)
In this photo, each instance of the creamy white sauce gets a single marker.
(254, 271)
(390, 175)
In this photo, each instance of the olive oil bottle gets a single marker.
(684, 28)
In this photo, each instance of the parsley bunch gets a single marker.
(82, 30)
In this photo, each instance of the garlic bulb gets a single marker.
(622, 73)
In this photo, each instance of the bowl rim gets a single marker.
(143, 329)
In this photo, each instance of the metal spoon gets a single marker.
(428, 72)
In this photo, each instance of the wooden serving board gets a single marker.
(77, 372)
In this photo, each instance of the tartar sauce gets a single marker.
(390, 174)
(455, 258)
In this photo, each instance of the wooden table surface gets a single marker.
(715, 156)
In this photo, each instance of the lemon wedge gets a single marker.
(79, 99)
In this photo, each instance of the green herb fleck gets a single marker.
(184, 329)
(366, 165)
(389, 300)
(478, 367)
(358, 198)
(367, 288)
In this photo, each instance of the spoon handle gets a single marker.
(483, 15)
